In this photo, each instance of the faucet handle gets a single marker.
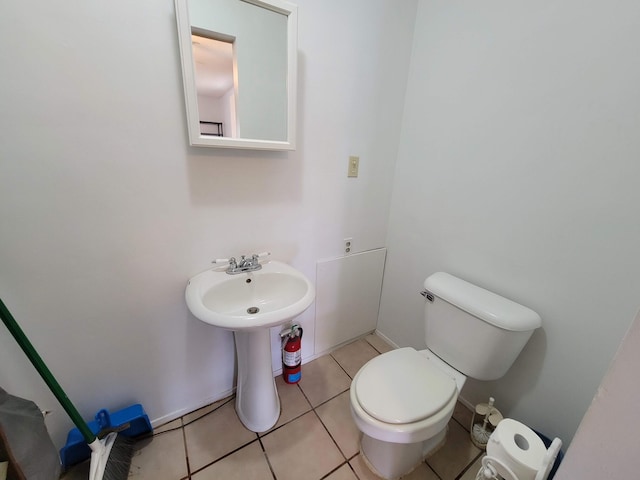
(255, 258)
(224, 261)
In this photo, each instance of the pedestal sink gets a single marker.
(249, 303)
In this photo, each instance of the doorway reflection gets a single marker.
(216, 84)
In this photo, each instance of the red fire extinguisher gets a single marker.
(292, 354)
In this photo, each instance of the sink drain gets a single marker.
(252, 310)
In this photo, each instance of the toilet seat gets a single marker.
(403, 387)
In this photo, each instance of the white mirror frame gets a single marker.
(191, 98)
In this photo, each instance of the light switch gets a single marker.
(354, 163)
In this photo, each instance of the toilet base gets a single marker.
(392, 460)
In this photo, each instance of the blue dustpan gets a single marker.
(128, 422)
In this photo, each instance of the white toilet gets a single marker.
(402, 400)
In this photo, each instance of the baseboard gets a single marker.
(466, 403)
(156, 422)
(386, 339)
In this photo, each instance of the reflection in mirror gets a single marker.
(239, 72)
(214, 64)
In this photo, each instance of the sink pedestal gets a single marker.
(249, 304)
(257, 402)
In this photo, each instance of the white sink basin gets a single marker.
(264, 298)
(249, 303)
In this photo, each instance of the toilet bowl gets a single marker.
(402, 401)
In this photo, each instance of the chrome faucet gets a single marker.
(248, 263)
(232, 263)
(244, 265)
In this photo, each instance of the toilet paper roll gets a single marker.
(518, 447)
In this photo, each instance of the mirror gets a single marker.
(239, 72)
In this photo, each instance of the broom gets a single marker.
(110, 456)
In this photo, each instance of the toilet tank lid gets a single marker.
(481, 303)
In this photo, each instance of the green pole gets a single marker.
(44, 372)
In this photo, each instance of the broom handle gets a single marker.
(44, 372)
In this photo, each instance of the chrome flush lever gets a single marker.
(428, 295)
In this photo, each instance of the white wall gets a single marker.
(105, 211)
(606, 443)
(518, 171)
(213, 109)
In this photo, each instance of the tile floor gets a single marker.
(315, 437)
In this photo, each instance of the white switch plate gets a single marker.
(354, 163)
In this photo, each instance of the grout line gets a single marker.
(262, 435)
(341, 367)
(225, 456)
(266, 457)
(352, 457)
(378, 353)
(146, 436)
(458, 422)
(229, 399)
(332, 471)
(186, 451)
(430, 468)
(372, 345)
(304, 394)
(466, 469)
(295, 418)
(322, 403)
(313, 409)
(351, 466)
(329, 399)
(330, 436)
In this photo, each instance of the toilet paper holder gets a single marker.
(508, 456)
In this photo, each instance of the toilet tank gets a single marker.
(477, 332)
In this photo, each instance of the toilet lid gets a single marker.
(402, 386)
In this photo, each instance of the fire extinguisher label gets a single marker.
(291, 359)
(294, 377)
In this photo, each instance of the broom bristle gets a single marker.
(119, 462)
